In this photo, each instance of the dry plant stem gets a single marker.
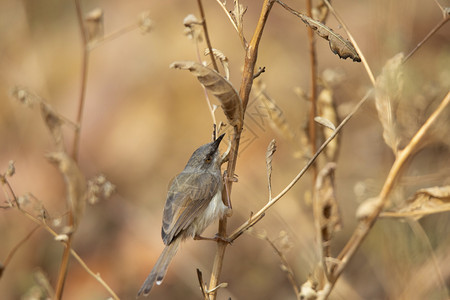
(84, 70)
(365, 225)
(427, 37)
(313, 91)
(257, 216)
(114, 35)
(244, 93)
(361, 55)
(205, 30)
(409, 214)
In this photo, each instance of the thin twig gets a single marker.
(113, 35)
(76, 144)
(257, 216)
(361, 55)
(205, 30)
(84, 73)
(290, 273)
(208, 101)
(366, 224)
(427, 37)
(16, 247)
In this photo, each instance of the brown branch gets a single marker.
(313, 90)
(244, 93)
(366, 224)
(205, 30)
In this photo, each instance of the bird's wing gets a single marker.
(188, 196)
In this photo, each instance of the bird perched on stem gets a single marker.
(194, 200)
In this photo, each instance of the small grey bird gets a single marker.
(194, 201)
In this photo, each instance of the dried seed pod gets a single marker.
(219, 87)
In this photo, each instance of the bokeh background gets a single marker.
(143, 120)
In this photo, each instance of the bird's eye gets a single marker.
(208, 158)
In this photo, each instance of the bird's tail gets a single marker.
(160, 268)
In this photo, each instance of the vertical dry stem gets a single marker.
(313, 90)
(75, 148)
(244, 93)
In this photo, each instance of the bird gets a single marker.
(193, 202)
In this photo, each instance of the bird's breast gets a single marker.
(215, 210)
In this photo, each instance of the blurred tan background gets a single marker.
(142, 121)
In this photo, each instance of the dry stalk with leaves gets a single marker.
(318, 143)
(326, 208)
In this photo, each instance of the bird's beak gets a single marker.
(216, 143)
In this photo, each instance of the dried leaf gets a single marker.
(326, 210)
(269, 156)
(76, 186)
(54, 123)
(219, 87)
(388, 91)
(223, 60)
(325, 122)
(238, 16)
(424, 202)
(340, 46)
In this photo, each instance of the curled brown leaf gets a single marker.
(339, 45)
(424, 202)
(219, 87)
